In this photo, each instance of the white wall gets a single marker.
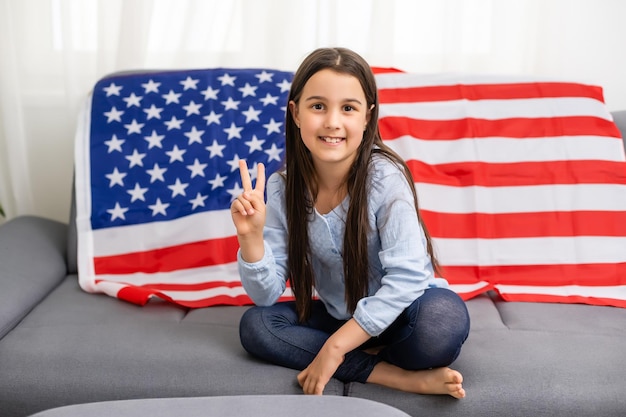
(586, 40)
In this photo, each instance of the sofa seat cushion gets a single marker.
(77, 347)
(524, 359)
(228, 406)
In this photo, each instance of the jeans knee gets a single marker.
(250, 323)
(258, 326)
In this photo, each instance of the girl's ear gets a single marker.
(368, 116)
(293, 108)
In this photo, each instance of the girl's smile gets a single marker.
(331, 140)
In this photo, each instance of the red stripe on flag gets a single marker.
(463, 174)
(394, 127)
(512, 225)
(489, 92)
(385, 70)
(540, 275)
(173, 258)
(141, 295)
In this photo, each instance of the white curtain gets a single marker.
(53, 51)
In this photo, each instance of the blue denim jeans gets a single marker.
(428, 334)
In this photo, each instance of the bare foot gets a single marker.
(428, 381)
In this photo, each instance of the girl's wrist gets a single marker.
(252, 248)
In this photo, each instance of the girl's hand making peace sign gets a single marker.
(248, 212)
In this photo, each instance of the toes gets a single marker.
(454, 376)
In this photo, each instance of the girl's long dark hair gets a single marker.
(302, 185)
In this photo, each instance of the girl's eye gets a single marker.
(348, 108)
(318, 106)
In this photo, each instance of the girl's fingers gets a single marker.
(246, 182)
(237, 207)
(260, 179)
(246, 202)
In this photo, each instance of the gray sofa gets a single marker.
(61, 346)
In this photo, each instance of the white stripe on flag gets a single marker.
(468, 288)
(522, 199)
(194, 228)
(531, 251)
(223, 272)
(498, 109)
(508, 150)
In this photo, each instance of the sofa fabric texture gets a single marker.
(60, 346)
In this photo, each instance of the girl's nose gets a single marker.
(332, 120)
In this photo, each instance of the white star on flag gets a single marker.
(114, 144)
(252, 115)
(189, 83)
(136, 159)
(197, 168)
(172, 97)
(255, 144)
(159, 207)
(210, 93)
(198, 201)
(194, 135)
(264, 76)
(212, 118)
(112, 90)
(176, 154)
(178, 188)
(248, 90)
(133, 100)
(151, 87)
(154, 140)
(227, 80)
(137, 193)
(217, 182)
(273, 126)
(156, 173)
(233, 131)
(116, 178)
(192, 108)
(215, 149)
(153, 112)
(117, 212)
(269, 99)
(134, 127)
(114, 115)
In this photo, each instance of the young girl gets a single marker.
(342, 220)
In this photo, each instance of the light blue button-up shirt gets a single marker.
(400, 266)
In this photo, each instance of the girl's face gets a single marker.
(332, 114)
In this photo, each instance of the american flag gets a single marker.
(157, 169)
(522, 181)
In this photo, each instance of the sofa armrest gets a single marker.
(32, 263)
(619, 117)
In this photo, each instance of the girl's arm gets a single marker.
(315, 377)
(262, 237)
